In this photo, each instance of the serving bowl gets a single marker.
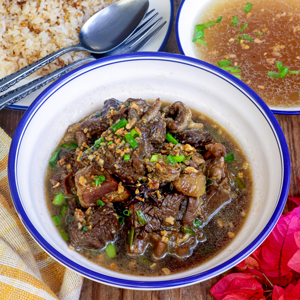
(188, 15)
(171, 77)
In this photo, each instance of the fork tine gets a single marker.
(142, 34)
(149, 13)
(140, 28)
(147, 37)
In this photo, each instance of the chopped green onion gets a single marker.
(208, 24)
(53, 159)
(171, 159)
(63, 211)
(109, 143)
(170, 139)
(239, 183)
(243, 27)
(99, 179)
(73, 145)
(56, 220)
(141, 217)
(127, 157)
(259, 32)
(201, 42)
(209, 181)
(232, 69)
(66, 146)
(248, 38)
(121, 220)
(283, 72)
(187, 230)
(64, 235)
(144, 260)
(131, 140)
(127, 103)
(70, 219)
(235, 21)
(111, 251)
(224, 63)
(247, 7)
(188, 158)
(299, 93)
(99, 141)
(134, 133)
(59, 199)
(273, 74)
(154, 158)
(237, 76)
(100, 203)
(229, 157)
(85, 229)
(197, 223)
(279, 66)
(199, 32)
(130, 237)
(98, 114)
(294, 72)
(85, 151)
(126, 212)
(179, 158)
(219, 19)
(118, 125)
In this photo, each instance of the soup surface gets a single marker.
(270, 36)
(148, 189)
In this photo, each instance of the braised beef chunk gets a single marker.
(193, 211)
(102, 119)
(197, 138)
(93, 228)
(89, 185)
(63, 182)
(158, 218)
(178, 116)
(147, 180)
(157, 129)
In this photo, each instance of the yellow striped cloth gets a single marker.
(26, 271)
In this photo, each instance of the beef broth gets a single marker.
(158, 216)
(274, 30)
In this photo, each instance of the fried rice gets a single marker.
(32, 29)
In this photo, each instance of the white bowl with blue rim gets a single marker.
(188, 15)
(171, 77)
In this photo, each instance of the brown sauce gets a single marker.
(275, 31)
(219, 232)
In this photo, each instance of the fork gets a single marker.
(142, 35)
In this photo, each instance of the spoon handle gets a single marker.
(12, 79)
(21, 92)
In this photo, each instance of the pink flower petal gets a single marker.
(278, 293)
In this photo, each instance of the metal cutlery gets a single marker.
(142, 35)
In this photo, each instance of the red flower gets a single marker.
(238, 286)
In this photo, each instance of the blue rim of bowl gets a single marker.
(175, 58)
(274, 111)
(162, 46)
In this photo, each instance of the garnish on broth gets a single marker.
(256, 35)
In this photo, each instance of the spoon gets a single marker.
(101, 33)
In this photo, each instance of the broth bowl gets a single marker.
(188, 15)
(171, 77)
